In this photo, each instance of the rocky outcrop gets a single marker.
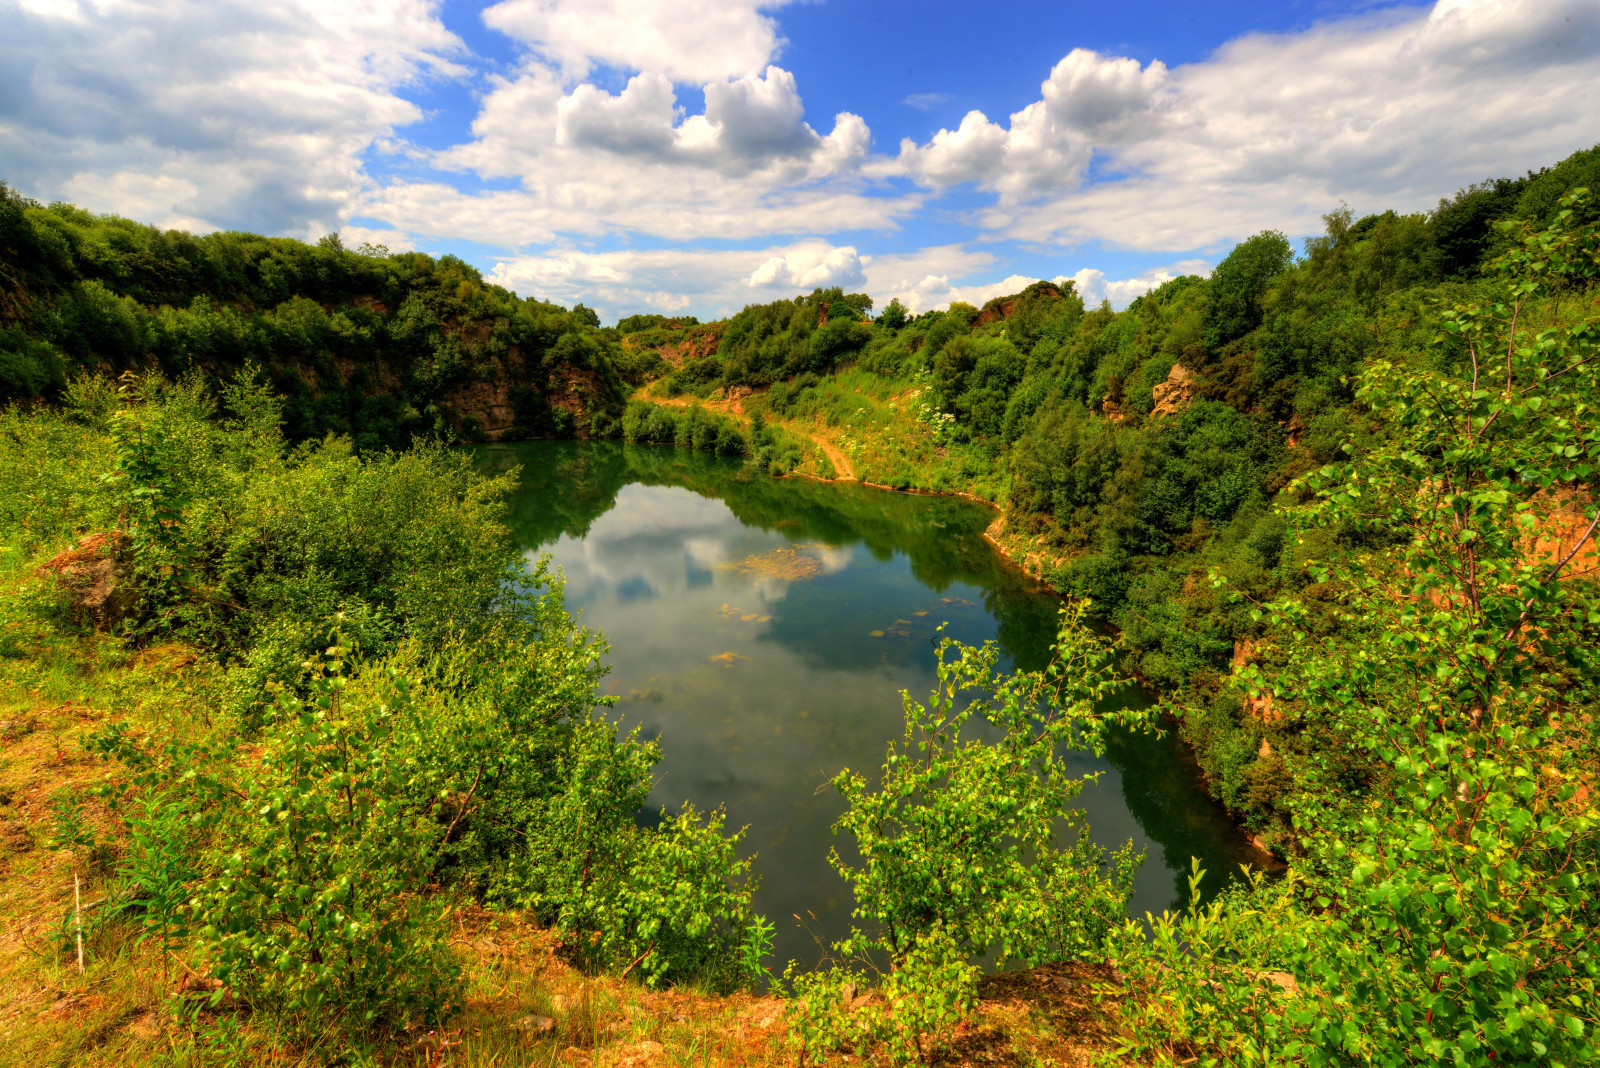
(96, 576)
(697, 343)
(1005, 307)
(1174, 395)
(488, 403)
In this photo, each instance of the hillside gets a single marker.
(384, 348)
(1138, 452)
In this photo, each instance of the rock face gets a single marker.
(95, 574)
(1173, 395)
(1004, 307)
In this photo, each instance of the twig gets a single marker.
(77, 915)
(638, 960)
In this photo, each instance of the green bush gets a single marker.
(958, 845)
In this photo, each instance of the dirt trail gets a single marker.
(842, 469)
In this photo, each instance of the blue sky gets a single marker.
(694, 156)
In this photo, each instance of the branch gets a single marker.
(1564, 370)
(466, 803)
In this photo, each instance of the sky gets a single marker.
(695, 156)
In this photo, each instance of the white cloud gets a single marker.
(926, 101)
(1101, 96)
(639, 120)
(687, 42)
(1088, 98)
(1093, 285)
(810, 267)
(1385, 110)
(590, 162)
(216, 113)
(706, 282)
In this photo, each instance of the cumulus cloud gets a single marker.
(810, 267)
(672, 281)
(213, 113)
(1088, 99)
(1102, 97)
(707, 40)
(591, 162)
(1385, 110)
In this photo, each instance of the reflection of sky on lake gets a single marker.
(761, 688)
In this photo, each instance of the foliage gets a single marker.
(959, 843)
(159, 867)
(1451, 864)
(910, 1015)
(962, 833)
(362, 343)
(536, 800)
(1239, 283)
(694, 427)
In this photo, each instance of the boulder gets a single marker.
(96, 575)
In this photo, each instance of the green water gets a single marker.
(762, 629)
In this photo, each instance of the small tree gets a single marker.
(959, 841)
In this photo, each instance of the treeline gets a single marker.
(382, 347)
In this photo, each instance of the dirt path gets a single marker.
(843, 471)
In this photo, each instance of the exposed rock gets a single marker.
(95, 576)
(1260, 707)
(1005, 307)
(1296, 429)
(487, 401)
(1112, 410)
(1173, 395)
(1283, 980)
(698, 343)
(12, 729)
(645, 1051)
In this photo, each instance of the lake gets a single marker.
(762, 629)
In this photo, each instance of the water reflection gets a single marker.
(763, 628)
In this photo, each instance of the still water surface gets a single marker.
(763, 628)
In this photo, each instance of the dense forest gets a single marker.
(315, 745)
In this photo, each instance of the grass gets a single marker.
(878, 425)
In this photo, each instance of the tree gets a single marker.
(894, 315)
(1240, 282)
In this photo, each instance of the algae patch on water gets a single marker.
(789, 563)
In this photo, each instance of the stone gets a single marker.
(535, 1025)
(1173, 395)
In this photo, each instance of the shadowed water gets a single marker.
(763, 628)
